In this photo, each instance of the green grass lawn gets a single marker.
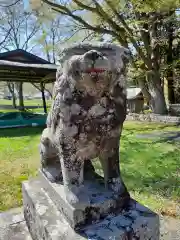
(27, 103)
(33, 102)
(150, 168)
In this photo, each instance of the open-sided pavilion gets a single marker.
(21, 66)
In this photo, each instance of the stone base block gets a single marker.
(102, 201)
(46, 222)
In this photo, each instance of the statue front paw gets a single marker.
(118, 186)
(43, 162)
(77, 196)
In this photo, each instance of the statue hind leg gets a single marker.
(50, 163)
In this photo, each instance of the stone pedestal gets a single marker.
(50, 217)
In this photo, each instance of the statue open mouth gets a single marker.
(95, 73)
(95, 70)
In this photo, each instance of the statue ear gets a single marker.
(59, 71)
(126, 55)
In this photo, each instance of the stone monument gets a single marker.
(69, 200)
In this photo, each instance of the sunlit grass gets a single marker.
(35, 105)
(150, 168)
(33, 102)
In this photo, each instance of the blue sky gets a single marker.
(26, 3)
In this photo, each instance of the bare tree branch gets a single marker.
(99, 12)
(91, 35)
(65, 11)
(104, 15)
(84, 6)
(73, 34)
(20, 24)
(129, 31)
(10, 5)
(39, 88)
(28, 37)
(46, 50)
(7, 35)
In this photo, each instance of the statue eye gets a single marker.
(104, 54)
(76, 72)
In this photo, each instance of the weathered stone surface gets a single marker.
(18, 231)
(68, 200)
(169, 230)
(102, 201)
(86, 118)
(46, 222)
(174, 109)
(13, 226)
(153, 118)
(11, 217)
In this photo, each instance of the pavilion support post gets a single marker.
(43, 98)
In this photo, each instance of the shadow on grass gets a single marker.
(149, 127)
(160, 137)
(172, 138)
(20, 132)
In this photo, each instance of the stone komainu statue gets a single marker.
(86, 118)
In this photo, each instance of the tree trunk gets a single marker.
(11, 90)
(171, 92)
(144, 88)
(170, 80)
(21, 99)
(14, 101)
(157, 102)
(157, 99)
(43, 98)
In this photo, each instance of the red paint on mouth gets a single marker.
(95, 70)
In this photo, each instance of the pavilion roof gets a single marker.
(27, 72)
